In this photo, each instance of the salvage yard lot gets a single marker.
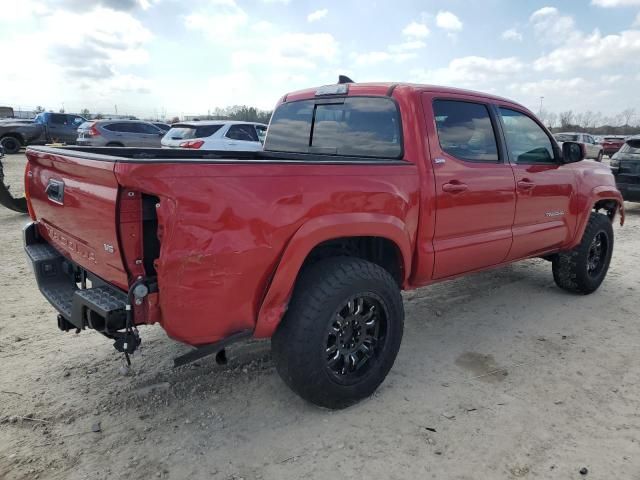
(500, 375)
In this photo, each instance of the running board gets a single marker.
(210, 349)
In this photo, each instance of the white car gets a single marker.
(216, 135)
(592, 148)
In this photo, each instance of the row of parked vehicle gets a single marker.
(595, 147)
(65, 128)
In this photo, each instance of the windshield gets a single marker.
(566, 137)
(186, 132)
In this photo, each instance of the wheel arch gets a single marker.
(604, 198)
(323, 232)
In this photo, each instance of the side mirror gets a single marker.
(573, 152)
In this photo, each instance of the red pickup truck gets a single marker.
(362, 190)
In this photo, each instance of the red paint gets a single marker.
(234, 236)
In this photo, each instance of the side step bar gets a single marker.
(212, 348)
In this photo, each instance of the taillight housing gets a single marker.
(192, 144)
(27, 190)
(93, 131)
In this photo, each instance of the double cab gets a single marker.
(362, 190)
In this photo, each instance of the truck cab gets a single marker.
(60, 127)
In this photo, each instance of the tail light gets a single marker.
(93, 131)
(27, 190)
(192, 144)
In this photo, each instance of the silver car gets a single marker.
(119, 133)
(592, 148)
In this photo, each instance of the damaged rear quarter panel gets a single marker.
(224, 227)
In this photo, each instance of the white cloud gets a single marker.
(636, 22)
(552, 27)
(593, 51)
(448, 21)
(549, 87)
(512, 34)
(471, 71)
(416, 30)
(616, 3)
(222, 20)
(407, 46)
(317, 15)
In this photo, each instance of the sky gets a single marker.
(178, 57)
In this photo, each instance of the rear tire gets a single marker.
(11, 144)
(342, 332)
(584, 268)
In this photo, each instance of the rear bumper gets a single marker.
(101, 307)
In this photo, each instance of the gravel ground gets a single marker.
(500, 375)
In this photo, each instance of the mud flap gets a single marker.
(7, 200)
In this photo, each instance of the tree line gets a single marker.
(626, 122)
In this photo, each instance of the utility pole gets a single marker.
(116, 107)
(541, 99)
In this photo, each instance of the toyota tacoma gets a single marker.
(362, 190)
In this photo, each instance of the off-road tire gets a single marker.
(11, 144)
(299, 344)
(571, 269)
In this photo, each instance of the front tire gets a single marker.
(599, 159)
(342, 332)
(11, 144)
(584, 268)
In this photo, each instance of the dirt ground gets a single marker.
(500, 375)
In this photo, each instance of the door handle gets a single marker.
(454, 187)
(526, 184)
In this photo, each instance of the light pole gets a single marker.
(541, 99)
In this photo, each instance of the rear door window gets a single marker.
(352, 126)
(465, 130)
(246, 133)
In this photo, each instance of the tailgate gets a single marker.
(75, 203)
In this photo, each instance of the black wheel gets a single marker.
(114, 144)
(583, 269)
(599, 159)
(11, 144)
(342, 332)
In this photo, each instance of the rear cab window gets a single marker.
(187, 132)
(347, 126)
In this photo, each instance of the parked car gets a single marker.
(361, 191)
(625, 165)
(611, 144)
(216, 135)
(46, 127)
(592, 148)
(119, 133)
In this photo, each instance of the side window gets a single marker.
(149, 129)
(465, 130)
(527, 142)
(261, 130)
(242, 132)
(58, 119)
(118, 127)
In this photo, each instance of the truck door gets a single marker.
(475, 188)
(544, 187)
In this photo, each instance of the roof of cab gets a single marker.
(384, 88)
